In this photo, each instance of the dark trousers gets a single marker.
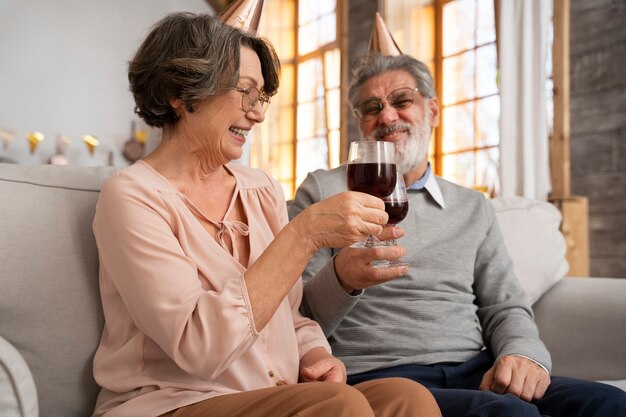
(455, 387)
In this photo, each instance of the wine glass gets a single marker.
(397, 207)
(372, 170)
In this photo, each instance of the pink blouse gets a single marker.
(178, 321)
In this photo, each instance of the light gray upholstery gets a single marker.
(50, 309)
(49, 302)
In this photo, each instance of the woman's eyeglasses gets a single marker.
(368, 109)
(250, 96)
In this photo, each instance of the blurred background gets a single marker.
(533, 94)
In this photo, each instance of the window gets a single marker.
(461, 47)
(301, 130)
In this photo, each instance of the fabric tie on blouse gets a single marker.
(229, 227)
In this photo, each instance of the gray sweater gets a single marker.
(459, 296)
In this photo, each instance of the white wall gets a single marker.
(63, 66)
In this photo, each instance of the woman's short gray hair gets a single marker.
(374, 64)
(192, 57)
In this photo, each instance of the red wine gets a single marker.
(397, 210)
(372, 178)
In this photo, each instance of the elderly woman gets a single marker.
(199, 270)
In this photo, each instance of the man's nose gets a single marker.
(388, 114)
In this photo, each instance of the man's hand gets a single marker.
(319, 365)
(353, 268)
(518, 376)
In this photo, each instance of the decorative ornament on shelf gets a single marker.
(34, 139)
(244, 15)
(59, 157)
(92, 143)
(134, 147)
(7, 137)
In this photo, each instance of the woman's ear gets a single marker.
(176, 103)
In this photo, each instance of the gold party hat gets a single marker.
(381, 40)
(34, 139)
(244, 15)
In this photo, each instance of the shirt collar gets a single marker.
(429, 183)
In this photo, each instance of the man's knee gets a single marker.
(491, 404)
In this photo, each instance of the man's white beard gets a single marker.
(412, 151)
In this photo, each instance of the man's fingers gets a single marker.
(541, 388)
(485, 384)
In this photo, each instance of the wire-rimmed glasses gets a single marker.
(250, 96)
(401, 98)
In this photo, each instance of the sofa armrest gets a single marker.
(18, 395)
(582, 322)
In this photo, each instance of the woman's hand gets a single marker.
(341, 220)
(319, 365)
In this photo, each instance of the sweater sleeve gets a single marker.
(504, 312)
(324, 300)
(149, 283)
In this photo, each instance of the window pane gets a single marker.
(312, 155)
(320, 117)
(412, 25)
(284, 161)
(333, 113)
(459, 168)
(310, 80)
(487, 169)
(486, 73)
(325, 6)
(307, 12)
(306, 120)
(334, 144)
(312, 10)
(279, 28)
(459, 19)
(486, 30)
(327, 30)
(308, 35)
(332, 68)
(458, 127)
(488, 121)
(458, 78)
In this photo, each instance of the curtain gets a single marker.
(524, 41)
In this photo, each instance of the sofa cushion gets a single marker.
(534, 241)
(18, 395)
(49, 304)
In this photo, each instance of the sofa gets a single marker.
(51, 318)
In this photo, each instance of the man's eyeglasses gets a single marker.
(250, 96)
(368, 109)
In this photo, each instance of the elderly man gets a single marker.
(455, 319)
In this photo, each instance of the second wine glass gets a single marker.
(372, 169)
(397, 207)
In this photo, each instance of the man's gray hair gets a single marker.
(374, 64)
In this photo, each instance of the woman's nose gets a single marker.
(256, 113)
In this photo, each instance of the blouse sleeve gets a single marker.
(308, 332)
(146, 275)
